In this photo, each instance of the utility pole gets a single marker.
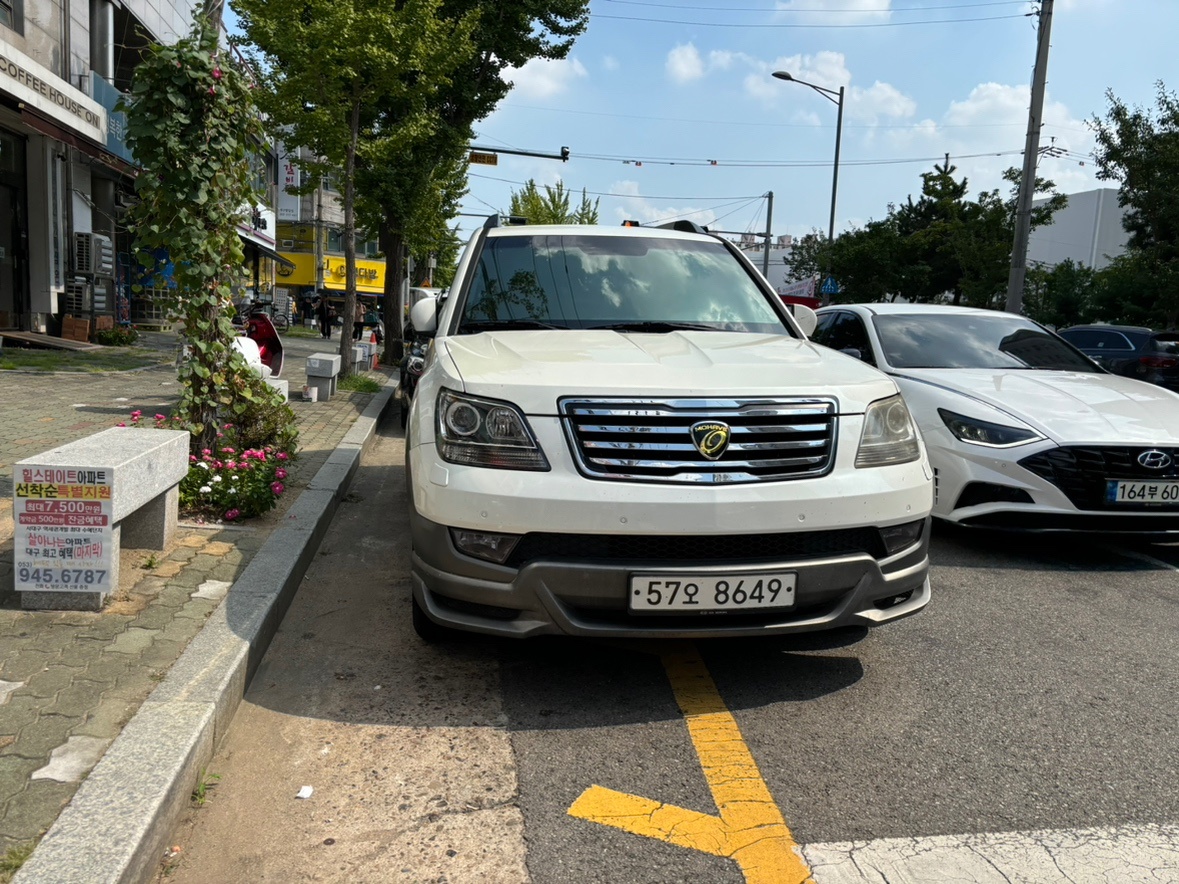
(1031, 152)
(765, 258)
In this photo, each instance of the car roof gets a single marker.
(596, 230)
(886, 309)
(1103, 326)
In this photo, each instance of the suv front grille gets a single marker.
(1081, 472)
(698, 548)
(651, 440)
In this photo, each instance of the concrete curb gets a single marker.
(116, 827)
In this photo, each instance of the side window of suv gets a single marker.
(846, 332)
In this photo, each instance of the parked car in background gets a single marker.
(1023, 430)
(1131, 351)
(621, 431)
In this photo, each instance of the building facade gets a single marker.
(66, 175)
(1087, 231)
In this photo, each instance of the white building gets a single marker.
(1088, 231)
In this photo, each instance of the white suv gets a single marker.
(623, 432)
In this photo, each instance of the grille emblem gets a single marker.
(1154, 459)
(711, 438)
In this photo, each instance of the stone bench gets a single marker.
(75, 507)
(323, 371)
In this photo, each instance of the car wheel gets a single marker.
(427, 630)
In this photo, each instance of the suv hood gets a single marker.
(1066, 406)
(533, 369)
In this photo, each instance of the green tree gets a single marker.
(552, 207)
(330, 65)
(1140, 150)
(1061, 296)
(191, 124)
(509, 35)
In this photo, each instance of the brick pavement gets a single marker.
(69, 681)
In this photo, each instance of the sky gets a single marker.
(670, 110)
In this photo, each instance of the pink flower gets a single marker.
(160, 417)
(212, 91)
(282, 455)
(219, 465)
(231, 465)
(280, 473)
(230, 515)
(120, 425)
(206, 451)
(277, 487)
(227, 450)
(192, 458)
(136, 415)
(216, 73)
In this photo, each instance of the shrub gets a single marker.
(119, 336)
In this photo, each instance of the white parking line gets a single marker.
(1141, 854)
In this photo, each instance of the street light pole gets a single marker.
(836, 98)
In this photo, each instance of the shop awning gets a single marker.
(266, 252)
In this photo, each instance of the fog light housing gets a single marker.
(484, 545)
(899, 537)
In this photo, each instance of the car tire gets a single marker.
(427, 630)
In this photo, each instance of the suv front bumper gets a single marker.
(588, 597)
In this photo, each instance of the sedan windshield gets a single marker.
(623, 283)
(957, 340)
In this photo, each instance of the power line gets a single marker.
(776, 164)
(886, 24)
(626, 195)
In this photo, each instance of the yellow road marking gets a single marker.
(750, 829)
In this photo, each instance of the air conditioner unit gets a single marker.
(94, 255)
(77, 299)
(286, 244)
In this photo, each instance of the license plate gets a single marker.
(652, 593)
(1163, 493)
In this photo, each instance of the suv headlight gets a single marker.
(980, 432)
(485, 433)
(889, 436)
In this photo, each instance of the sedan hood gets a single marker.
(1065, 406)
(534, 369)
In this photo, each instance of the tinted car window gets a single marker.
(822, 332)
(1169, 346)
(846, 332)
(582, 282)
(1093, 339)
(929, 340)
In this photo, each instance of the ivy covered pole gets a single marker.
(191, 123)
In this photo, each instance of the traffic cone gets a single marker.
(372, 339)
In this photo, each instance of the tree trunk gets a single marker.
(391, 309)
(350, 241)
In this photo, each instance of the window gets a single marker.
(1093, 339)
(845, 331)
(12, 14)
(626, 283)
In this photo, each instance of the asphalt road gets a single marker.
(1035, 693)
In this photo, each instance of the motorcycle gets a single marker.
(412, 364)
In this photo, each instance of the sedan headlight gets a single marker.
(889, 436)
(980, 432)
(485, 433)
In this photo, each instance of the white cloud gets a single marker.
(610, 63)
(828, 70)
(879, 100)
(544, 78)
(833, 12)
(684, 64)
(638, 208)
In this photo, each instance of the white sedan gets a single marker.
(1023, 430)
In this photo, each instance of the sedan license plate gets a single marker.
(1162, 493)
(679, 593)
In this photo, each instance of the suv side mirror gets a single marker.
(424, 316)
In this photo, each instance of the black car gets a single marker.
(1128, 350)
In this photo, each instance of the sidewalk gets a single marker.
(70, 682)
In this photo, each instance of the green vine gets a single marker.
(191, 124)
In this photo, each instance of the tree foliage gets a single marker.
(937, 245)
(552, 206)
(1140, 150)
(332, 65)
(192, 124)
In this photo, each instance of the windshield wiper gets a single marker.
(655, 326)
(481, 325)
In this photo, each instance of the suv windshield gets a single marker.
(625, 283)
(927, 340)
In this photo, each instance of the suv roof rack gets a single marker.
(504, 221)
(684, 226)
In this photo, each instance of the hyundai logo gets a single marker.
(1154, 459)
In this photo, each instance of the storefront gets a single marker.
(299, 279)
